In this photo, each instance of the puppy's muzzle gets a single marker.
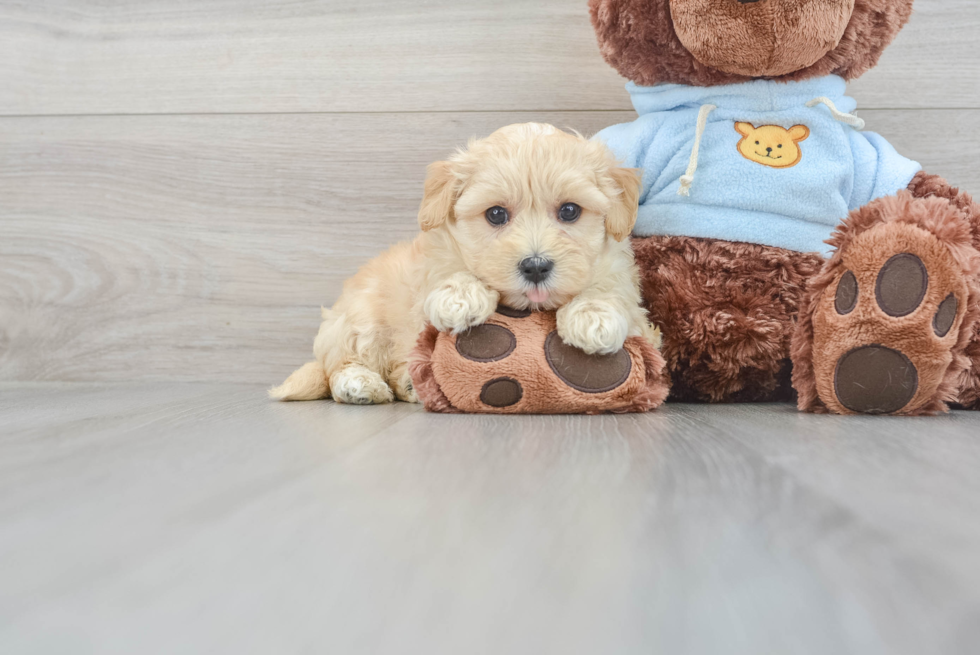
(536, 269)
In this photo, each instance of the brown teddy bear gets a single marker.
(754, 164)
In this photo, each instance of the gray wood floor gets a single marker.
(201, 518)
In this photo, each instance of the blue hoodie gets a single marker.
(769, 169)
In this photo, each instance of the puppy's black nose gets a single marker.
(536, 269)
(768, 149)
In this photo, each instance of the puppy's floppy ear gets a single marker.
(621, 217)
(439, 196)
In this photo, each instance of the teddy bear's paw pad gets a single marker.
(875, 380)
(584, 372)
(847, 294)
(901, 285)
(502, 392)
(486, 343)
(510, 312)
(942, 324)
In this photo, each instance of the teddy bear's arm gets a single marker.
(879, 170)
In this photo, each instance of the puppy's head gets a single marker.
(532, 210)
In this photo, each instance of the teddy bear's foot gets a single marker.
(517, 363)
(892, 313)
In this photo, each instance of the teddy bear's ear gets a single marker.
(799, 133)
(621, 217)
(744, 129)
(439, 196)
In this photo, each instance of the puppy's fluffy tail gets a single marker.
(307, 383)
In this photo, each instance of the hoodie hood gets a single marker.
(757, 96)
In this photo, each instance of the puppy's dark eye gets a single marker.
(569, 212)
(497, 216)
(780, 145)
(756, 143)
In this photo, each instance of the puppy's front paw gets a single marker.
(593, 326)
(459, 303)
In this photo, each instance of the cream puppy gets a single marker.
(530, 217)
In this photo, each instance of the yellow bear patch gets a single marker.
(771, 145)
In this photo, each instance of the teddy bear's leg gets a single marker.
(726, 311)
(889, 322)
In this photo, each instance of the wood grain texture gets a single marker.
(219, 56)
(202, 518)
(201, 247)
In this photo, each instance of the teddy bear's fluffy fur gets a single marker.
(454, 275)
(741, 320)
(637, 38)
(725, 342)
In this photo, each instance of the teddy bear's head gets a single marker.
(710, 42)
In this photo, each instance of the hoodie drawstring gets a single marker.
(688, 178)
(847, 119)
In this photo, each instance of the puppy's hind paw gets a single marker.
(359, 385)
(593, 326)
(401, 384)
(460, 303)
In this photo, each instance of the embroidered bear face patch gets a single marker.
(771, 145)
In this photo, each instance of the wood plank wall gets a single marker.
(183, 183)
